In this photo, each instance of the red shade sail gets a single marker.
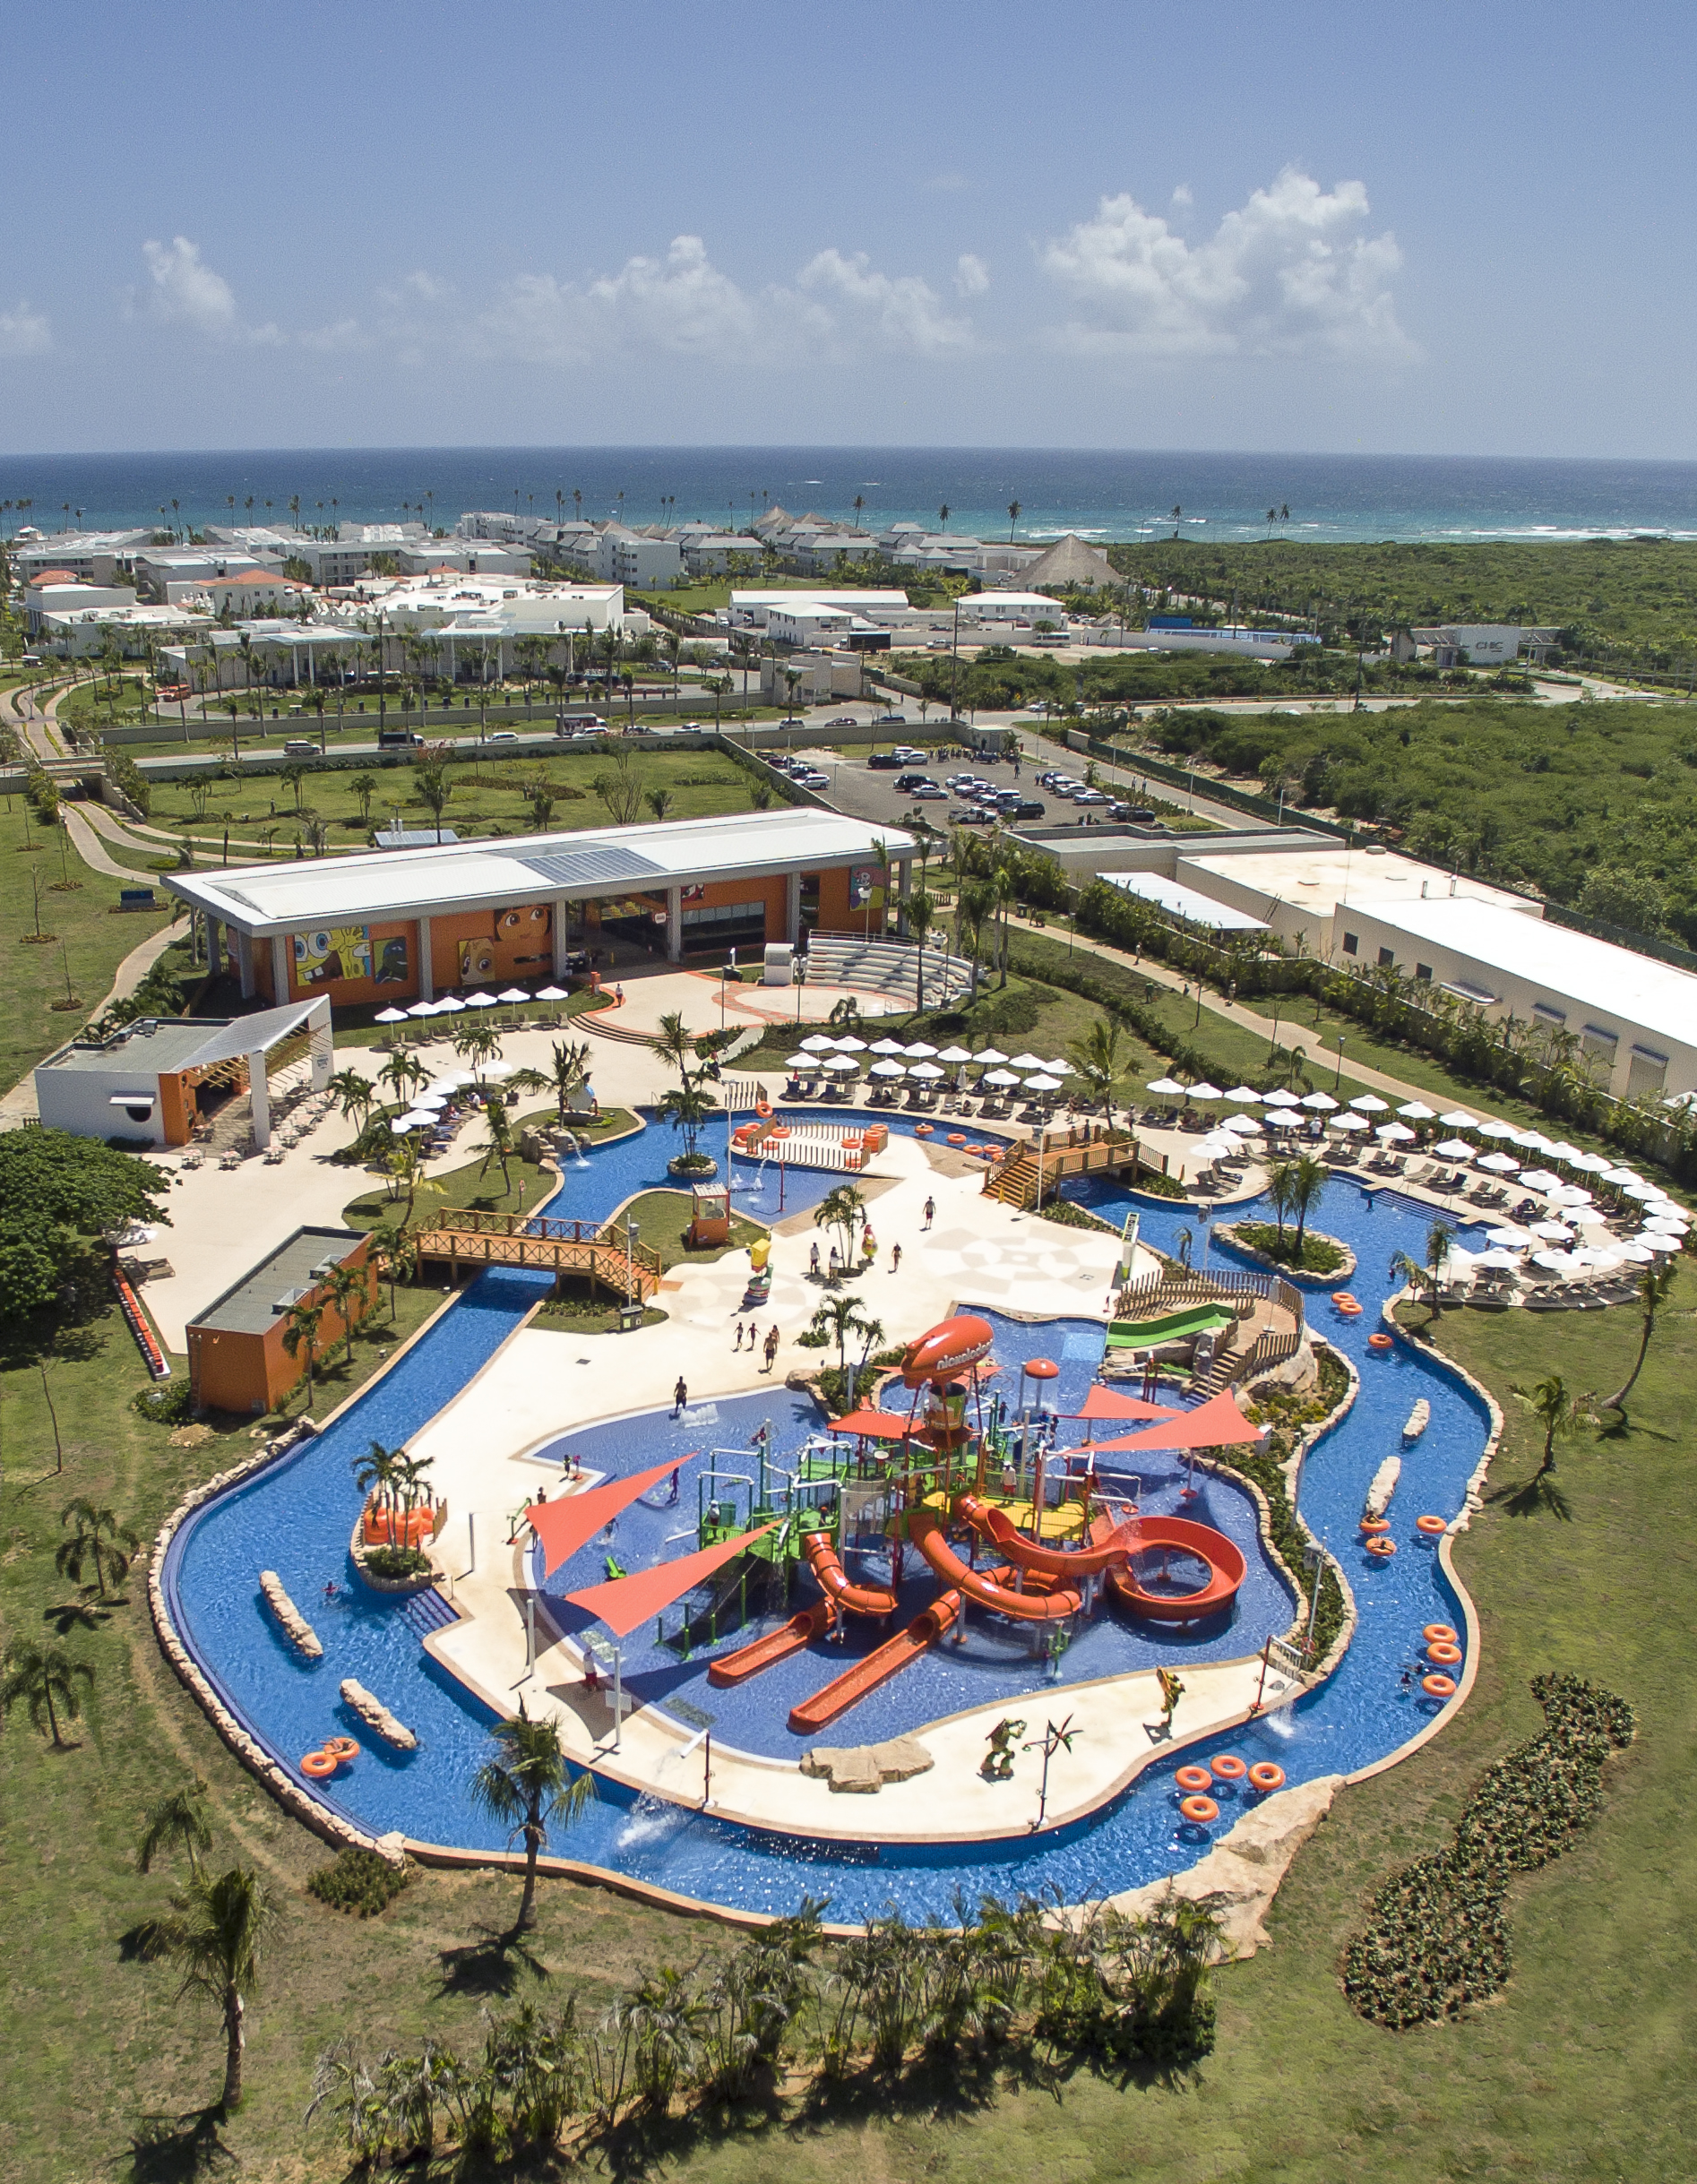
(1108, 1403)
(566, 1525)
(623, 1603)
(877, 1425)
(1217, 1425)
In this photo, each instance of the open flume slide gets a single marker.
(833, 1580)
(776, 1645)
(889, 1660)
(1226, 1569)
(1110, 1542)
(925, 1528)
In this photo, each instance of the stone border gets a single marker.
(1341, 1275)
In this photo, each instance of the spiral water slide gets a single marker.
(925, 1529)
(833, 1580)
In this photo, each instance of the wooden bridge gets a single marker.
(538, 1242)
(1015, 1178)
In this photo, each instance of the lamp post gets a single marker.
(1338, 1081)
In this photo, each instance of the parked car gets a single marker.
(891, 720)
(1028, 807)
(1092, 796)
(927, 792)
(1135, 814)
(811, 777)
(913, 780)
(973, 816)
(502, 736)
(886, 761)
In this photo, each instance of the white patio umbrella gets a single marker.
(1222, 1148)
(851, 1045)
(1026, 1062)
(479, 1000)
(1244, 1093)
(552, 992)
(493, 1071)
(953, 1055)
(1594, 1255)
(1204, 1091)
(819, 1044)
(1458, 1120)
(1498, 1257)
(451, 1004)
(1281, 1098)
(1640, 1191)
(1282, 1118)
(1569, 1194)
(1653, 1240)
(419, 1118)
(1369, 1103)
(1620, 1175)
(1533, 1141)
(1346, 1122)
(1394, 1133)
(1637, 1254)
(1416, 1111)
(1562, 1150)
(392, 1016)
(887, 1069)
(402, 1125)
(430, 1099)
(1500, 1163)
(1042, 1082)
(513, 993)
(991, 1057)
(798, 1061)
(887, 1046)
(1454, 1149)
(1553, 1232)
(1591, 1164)
(1510, 1238)
(1540, 1179)
(422, 1008)
(1000, 1078)
(843, 1065)
(1669, 1216)
(1054, 1069)
(1168, 1088)
(1242, 1125)
(927, 1071)
(1493, 1128)
(918, 1052)
(1321, 1103)
(1554, 1262)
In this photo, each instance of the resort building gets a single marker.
(410, 924)
(237, 1359)
(156, 1079)
(1295, 888)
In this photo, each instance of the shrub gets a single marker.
(392, 1563)
(361, 1881)
(1319, 1255)
(171, 1404)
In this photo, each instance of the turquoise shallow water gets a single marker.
(296, 1517)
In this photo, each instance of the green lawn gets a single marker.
(92, 937)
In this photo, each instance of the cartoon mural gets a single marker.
(333, 953)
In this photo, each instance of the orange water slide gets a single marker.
(833, 1581)
(1227, 1570)
(776, 1645)
(925, 1528)
(1109, 1543)
(888, 1660)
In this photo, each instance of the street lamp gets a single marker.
(1337, 1083)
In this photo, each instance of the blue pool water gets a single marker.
(296, 1517)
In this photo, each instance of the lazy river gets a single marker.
(296, 1516)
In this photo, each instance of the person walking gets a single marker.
(868, 1246)
(680, 1398)
(895, 1259)
(930, 1211)
(813, 1264)
(739, 1335)
(771, 1349)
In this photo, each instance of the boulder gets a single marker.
(863, 1769)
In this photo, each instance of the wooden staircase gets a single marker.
(536, 1242)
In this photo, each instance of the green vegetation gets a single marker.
(1617, 602)
(62, 1199)
(1594, 805)
(662, 1219)
(1316, 1255)
(361, 1881)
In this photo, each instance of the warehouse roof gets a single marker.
(402, 883)
(266, 1291)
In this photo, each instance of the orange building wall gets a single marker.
(232, 1371)
(523, 949)
(345, 990)
(834, 913)
(770, 891)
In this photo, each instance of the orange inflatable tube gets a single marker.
(925, 1528)
(833, 1580)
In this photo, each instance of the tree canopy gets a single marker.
(59, 1194)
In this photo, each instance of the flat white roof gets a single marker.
(402, 883)
(1560, 964)
(1318, 878)
(1187, 902)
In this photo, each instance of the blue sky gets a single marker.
(1393, 228)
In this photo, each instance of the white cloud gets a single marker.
(24, 332)
(971, 274)
(1290, 272)
(1182, 196)
(329, 340)
(186, 291)
(898, 312)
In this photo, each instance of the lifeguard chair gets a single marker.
(710, 1221)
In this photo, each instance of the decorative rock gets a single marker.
(1242, 1871)
(290, 1617)
(376, 1716)
(1384, 1485)
(863, 1769)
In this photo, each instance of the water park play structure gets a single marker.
(752, 1641)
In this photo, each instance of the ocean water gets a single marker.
(1103, 494)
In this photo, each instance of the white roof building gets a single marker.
(1296, 889)
(1187, 902)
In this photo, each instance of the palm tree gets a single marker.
(1308, 1179)
(840, 1209)
(1439, 1238)
(1280, 1178)
(395, 1254)
(365, 786)
(215, 1934)
(1098, 1062)
(1559, 1414)
(674, 1044)
(660, 802)
(401, 1071)
(921, 910)
(526, 1785)
(175, 1823)
(1014, 518)
(1653, 1287)
(378, 1472)
(501, 1145)
(686, 1106)
(301, 1323)
(349, 1298)
(570, 1069)
(45, 1678)
(100, 1541)
(353, 1093)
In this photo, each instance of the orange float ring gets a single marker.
(1194, 1778)
(1229, 1768)
(1445, 1634)
(1374, 1526)
(1342, 1296)
(922, 1130)
(1444, 1657)
(956, 1138)
(1199, 1809)
(1438, 1687)
(1352, 1310)
(1431, 1527)
(342, 1748)
(763, 1108)
(318, 1764)
(1384, 1548)
(1264, 1775)
(1378, 1342)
